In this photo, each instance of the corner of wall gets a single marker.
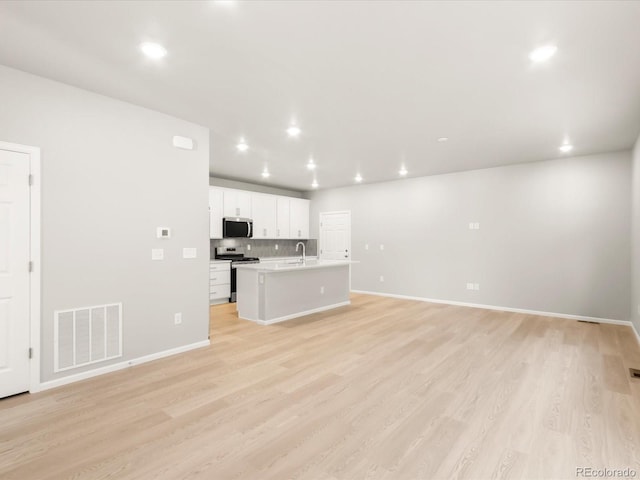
(635, 237)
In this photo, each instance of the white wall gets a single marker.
(554, 236)
(635, 237)
(110, 177)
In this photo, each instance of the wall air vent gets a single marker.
(83, 336)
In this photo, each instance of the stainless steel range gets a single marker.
(236, 255)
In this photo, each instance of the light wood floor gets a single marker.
(384, 388)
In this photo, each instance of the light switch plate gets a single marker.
(189, 252)
(157, 254)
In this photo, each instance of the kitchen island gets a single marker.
(273, 292)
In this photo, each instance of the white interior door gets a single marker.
(14, 272)
(335, 235)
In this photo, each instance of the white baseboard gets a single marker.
(119, 366)
(502, 309)
(299, 314)
(635, 330)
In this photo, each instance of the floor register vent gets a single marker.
(87, 335)
(634, 373)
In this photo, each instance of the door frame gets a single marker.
(35, 277)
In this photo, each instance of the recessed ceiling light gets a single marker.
(358, 178)
(543, 53)
(311, 164)
(443, 139)
(314, 184)
(566, 148)
(242, 146)
(403, 171)
(153, 50)
(293, 131)
(265, 173)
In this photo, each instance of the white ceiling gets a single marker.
(372, 84)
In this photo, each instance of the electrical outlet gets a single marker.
(381, 247)
(157, 254)
(381, 278)
(366, 247)
(177, 319)
(321, 290)
(469, 286)
(276, 246)
(474, 226)
(476, 286)
(249, 247)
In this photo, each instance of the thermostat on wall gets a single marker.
(163, 232)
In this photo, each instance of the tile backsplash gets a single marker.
(266, 248)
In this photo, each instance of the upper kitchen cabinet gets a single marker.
(299, 218)
(282, 216)
(215, 212)
(274, 216)
(237, 203)
(263, 210)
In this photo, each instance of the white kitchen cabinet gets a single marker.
(263, 210)
(282, 217)
(299, 218)
(219, 281)
(215, 212)
(237, 203)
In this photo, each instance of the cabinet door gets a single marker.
(299, 218)
(215, 212)
(243, 204)
(230, 203)
(237, 203)
(263, 209)
(282, 217)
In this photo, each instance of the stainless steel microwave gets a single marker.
(233, 227)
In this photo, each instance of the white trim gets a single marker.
(35, 276)
(635, 330)
(298, 314)
(504, 309)
(121, 365)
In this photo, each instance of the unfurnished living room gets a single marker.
(319, 239)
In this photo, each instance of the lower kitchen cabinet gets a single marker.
(219, 281)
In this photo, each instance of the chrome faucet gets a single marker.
(304, 255)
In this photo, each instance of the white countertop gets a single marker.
(288, 266)
(286, 259)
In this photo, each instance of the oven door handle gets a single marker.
(249, 228)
